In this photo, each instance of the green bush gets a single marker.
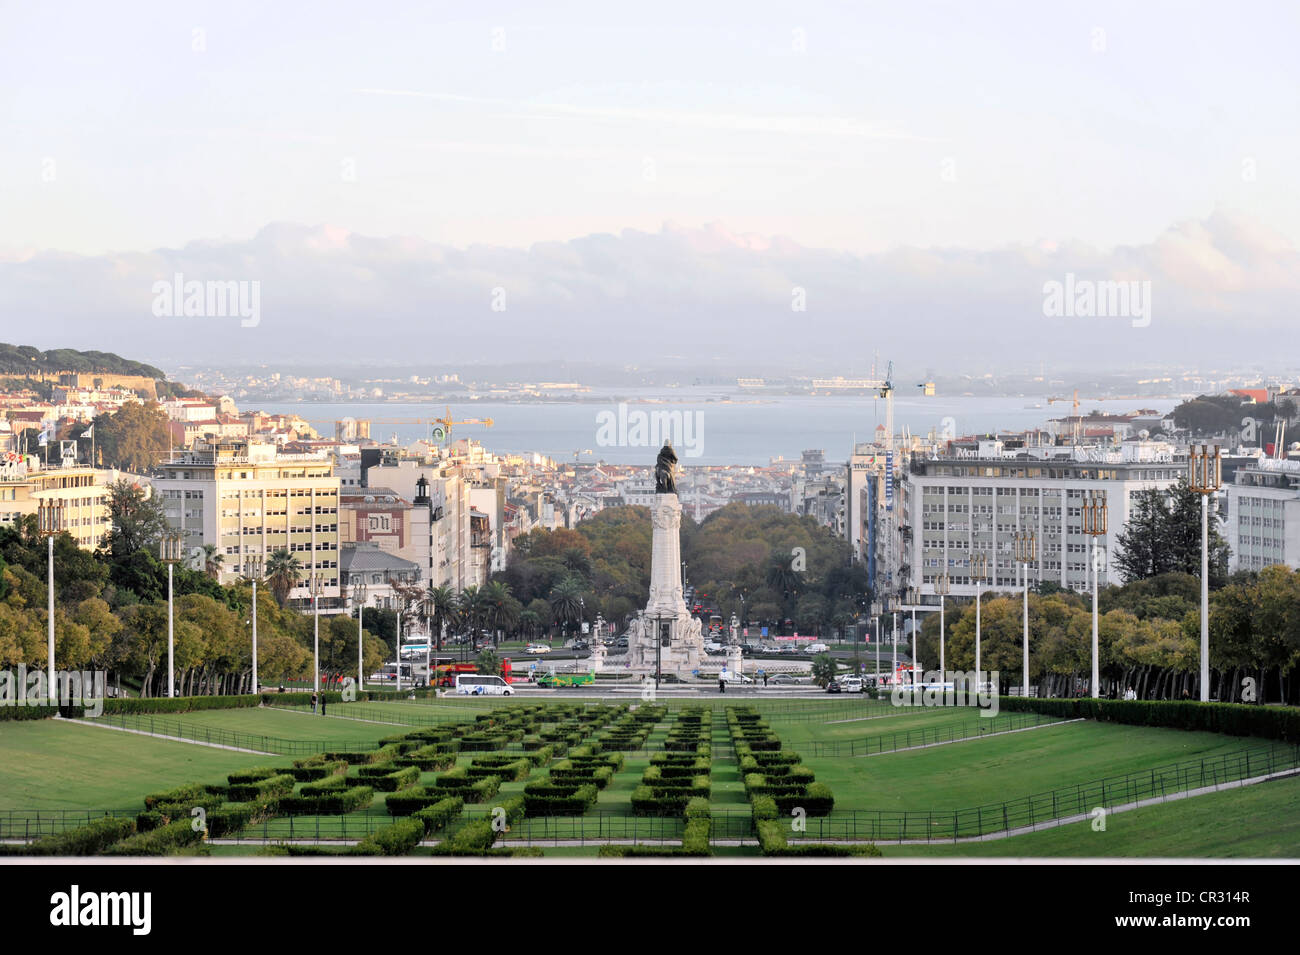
(474, 838)
(333, 802)
(270, 788)
(763, 808)
(440, 814)
(87, 840)
(1232, 719)
(396, 839)
(166, 840)
(560, 803)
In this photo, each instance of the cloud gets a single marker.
(1219, 287)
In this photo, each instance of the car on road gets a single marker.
(850, 684)
(819, 648)
(785, 679)
(537, 648)
(834, 687)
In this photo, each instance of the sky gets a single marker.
(609, 165)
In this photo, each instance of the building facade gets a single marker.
(250, 501)
(976, 503)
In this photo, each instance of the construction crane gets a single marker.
(442, 426)
(886, 391)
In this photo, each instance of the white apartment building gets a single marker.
(64, 499)
(977, 501)
(249, 501)
(1263, 515)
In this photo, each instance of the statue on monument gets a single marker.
(666, 470)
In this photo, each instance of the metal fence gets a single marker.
(196, 733)
(736, 824)
(925, 736)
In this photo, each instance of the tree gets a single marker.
(824, 669)
(212, 560)
(134, 438)
(1164, 536)
(136, 519)
(489, 663)
(282, 572)
(566, 600)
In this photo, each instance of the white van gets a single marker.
(851, 684)
(472, 684)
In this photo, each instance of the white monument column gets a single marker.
(666, 604)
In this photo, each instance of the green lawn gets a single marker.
(50, 764)
(1261, 821)
(979, 772)
(267, 721)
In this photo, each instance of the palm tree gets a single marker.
(566, 600)
(282, 572)
(440, 604)
(502, 610)
(212, 560)
(473, 607)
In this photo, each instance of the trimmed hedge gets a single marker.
(270, 788)
(396, 839)
(1232, 719)
(165, 840)
(440, 814)
(335, 801)
(554, 801)
(87, 840)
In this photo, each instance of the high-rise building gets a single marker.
(977, 501)
(249, 500)
(1263, 515)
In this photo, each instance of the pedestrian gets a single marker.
(322, 704)
(764, 678)
(722, 685)
(313, 702)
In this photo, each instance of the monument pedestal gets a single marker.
(665, 632)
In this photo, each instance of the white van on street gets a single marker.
(474, 684)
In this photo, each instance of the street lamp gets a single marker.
(913, 598)
(893, 609)
(1026, 551)
(979, 572)
(317, 580)
(254, 570)
(359, 599)
(169, 550)
(1094, 525)
(942, 587)
(1205, 478)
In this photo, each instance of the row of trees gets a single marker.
(766, 566)
(111, 614)
(1148, 637)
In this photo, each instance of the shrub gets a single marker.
(559, 803)
(1233, 719)
(332, 802)
(166, 840)
(396, 839)
(269, 788)
(440, 814)
(87, 840)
